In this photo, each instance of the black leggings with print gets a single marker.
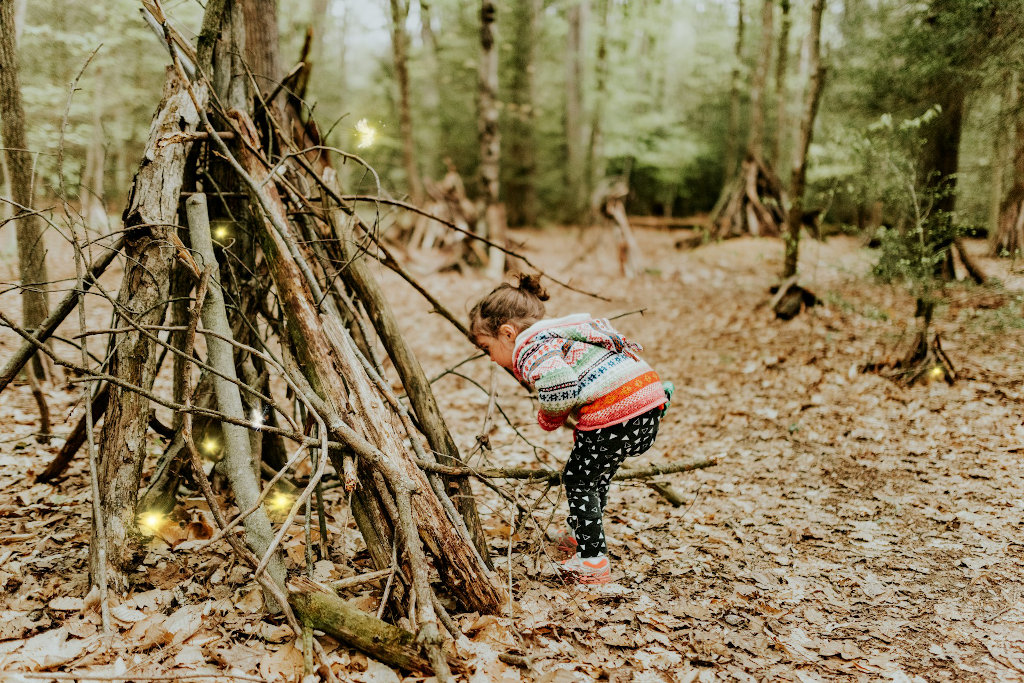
(595, 457)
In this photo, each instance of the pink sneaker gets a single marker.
(588, 570)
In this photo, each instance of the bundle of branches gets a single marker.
(237, 235)
(751, 204)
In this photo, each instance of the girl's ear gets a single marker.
(508, 331)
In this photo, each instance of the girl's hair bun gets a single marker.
(531, 285)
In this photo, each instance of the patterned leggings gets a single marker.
(595, 457)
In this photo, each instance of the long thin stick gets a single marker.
(100, 537)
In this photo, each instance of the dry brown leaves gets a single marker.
(852, 529)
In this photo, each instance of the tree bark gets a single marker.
(490, 134)
(732, 139)
(595, 162)
(400, 53)
(781, 96)
(521, 167)
(755, 140)
(386, 643)
(91, 192)
(812, 97)
(1008, 238)
(152, 209)
(574, 161)
(262, 43)
(20, 167)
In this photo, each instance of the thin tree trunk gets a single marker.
(431, 89)
(781, 98)
(31, 245)
(1008, 236)
(595, 162)
(490, 134)
(732, 140)
(520, 187)
(400, 52)
(812, 97)
(574, 109)
(91, 193)
(152, 207)
(755, 141)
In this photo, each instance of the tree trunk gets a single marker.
(733, 137)
(262, 45)
(490, 135)
(812, 97)
(781, 98)
(431, 89)
(152, 209)
(755, 140)
(595, 161)
(520, 188)
(400, 52)
(91, 192)
(575, 14)
(31, 244)
(1008, 238)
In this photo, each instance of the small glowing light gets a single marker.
(221, 233)
(257, 418)
(937, 372)
(280, 502)
(151, 522)
(365, 133)
(210, 446)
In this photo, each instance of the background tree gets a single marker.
(400, 50)
(521, 159)
(22, 180)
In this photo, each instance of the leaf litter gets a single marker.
(851, 530)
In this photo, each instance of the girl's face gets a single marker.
(499, 348)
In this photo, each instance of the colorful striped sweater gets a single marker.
(582, 366)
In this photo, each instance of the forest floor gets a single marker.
(850, 530)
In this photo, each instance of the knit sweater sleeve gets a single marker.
(556, 382)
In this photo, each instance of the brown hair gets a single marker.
(519, 305)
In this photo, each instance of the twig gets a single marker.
(354, 581)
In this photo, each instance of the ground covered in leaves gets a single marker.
(851, 529)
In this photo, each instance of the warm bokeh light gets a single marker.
(365, 134)
(150, 522)
(220, 233)
(280, 501)
(257, 418)
(210, 446)
(937, 372)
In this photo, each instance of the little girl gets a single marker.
(586, 373)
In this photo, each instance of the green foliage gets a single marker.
(914, 248)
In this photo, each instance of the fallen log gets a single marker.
(388, 644)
